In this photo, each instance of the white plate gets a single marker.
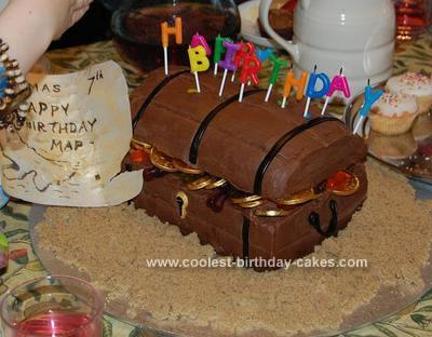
(249, 13)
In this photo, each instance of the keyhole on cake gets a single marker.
(182, 201)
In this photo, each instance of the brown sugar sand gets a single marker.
(111, 246)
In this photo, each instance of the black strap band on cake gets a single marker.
(196, 141)
(245, 236)
(265, 164)
(315, 221)
(153, 94)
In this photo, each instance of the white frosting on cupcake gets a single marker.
(395, 105)
(411, 84)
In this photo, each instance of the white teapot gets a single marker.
(356, 35)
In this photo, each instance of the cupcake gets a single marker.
(393, 114)
(415, 84)
(422, 128)
(392, 147)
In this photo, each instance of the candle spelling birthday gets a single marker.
(291, 82)
(167, 30)
(219, 50)
(199, 62)
(370, 97)
(228, 62)
(315, 89)
(264, 54)
(278, 64)
(249, 72)
(245, 49)
(339, 83)
(199, 51)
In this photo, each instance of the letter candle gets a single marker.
(199, 40)
(292, 82)
(177, 31)
(370, 97)
(228, 62)
(245, 49)
(278, 63)
(264, 54)
(339, 83)
(219, 49)
(312, 92)
(251, 68)
(198, 62)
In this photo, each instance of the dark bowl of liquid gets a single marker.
(137, 31)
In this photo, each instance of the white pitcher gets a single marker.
(356, 35)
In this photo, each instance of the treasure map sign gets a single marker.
(70, 150)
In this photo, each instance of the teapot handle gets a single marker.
(289, 46)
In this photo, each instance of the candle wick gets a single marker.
(315, 68)
(341, 71)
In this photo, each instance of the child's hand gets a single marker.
(29, 26)
(65, 13)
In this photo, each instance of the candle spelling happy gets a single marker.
(177, 31)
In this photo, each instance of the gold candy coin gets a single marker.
(252, 204)
(216, 184)
(145, 146)
(299, 198)
(161, 161)
(348, 189)
(200, 183)
(272, 213)
(185, 168)
(242, 200)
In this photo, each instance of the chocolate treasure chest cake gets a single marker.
(251, 179)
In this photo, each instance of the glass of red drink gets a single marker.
(412, 18)
(57, 306)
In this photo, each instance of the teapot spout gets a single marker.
(289, 46)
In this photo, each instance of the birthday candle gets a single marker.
(219, 49)
(278, 63)
(199, 40)
(312, 92)
(177, 31)
(199, 62)
(249, 72)
(292, 82)
(228, 62)
(264, 54)
(339, 83)
(370, 97)
(245, 49)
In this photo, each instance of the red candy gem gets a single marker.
(339, 181)
(139, 156)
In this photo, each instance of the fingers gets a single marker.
(81, 4)
(78, 13)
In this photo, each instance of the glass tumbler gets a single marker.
(412, 18)
(53, 306)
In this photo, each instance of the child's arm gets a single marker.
(29, 26)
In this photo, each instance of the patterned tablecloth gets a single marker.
(414, 321)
